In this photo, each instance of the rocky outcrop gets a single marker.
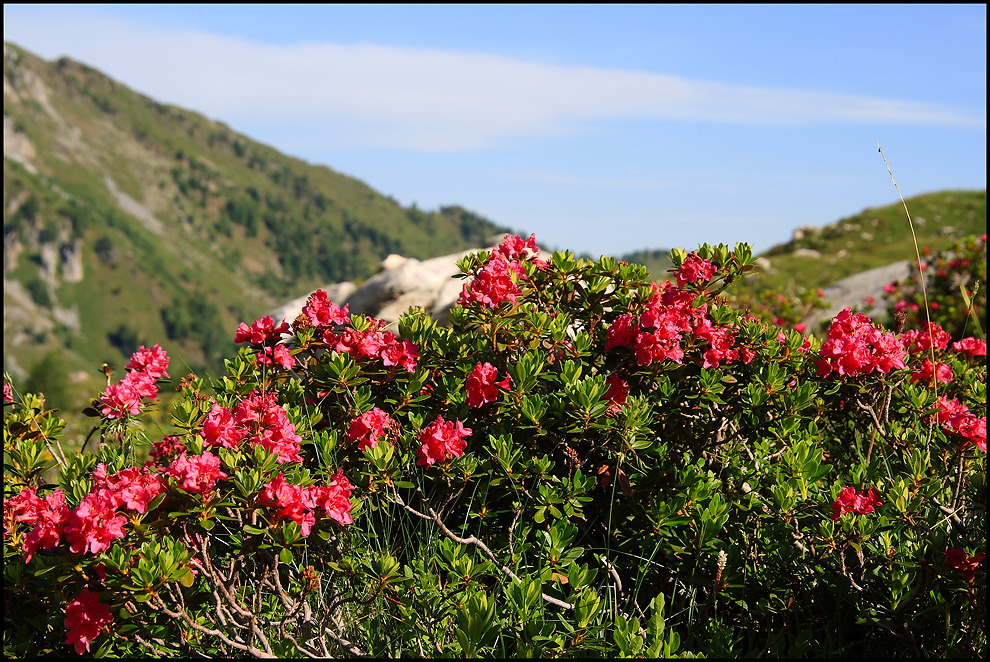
(402, 283)
(12, 249)
(72, 265)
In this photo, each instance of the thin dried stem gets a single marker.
(921, 271)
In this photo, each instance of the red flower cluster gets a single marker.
(46, 515)
(971, 347)
(923, 341)
(441, 439)
(966, 565)
(167, 449)
(153, 362)
(370, 428)
(85, 618)
(657, 333)
(618, 391)
(322, 313)
(92, 525)
(261, 332)
(956, 417)
(498, 279)
(495, 283)
(374, 343)
(131, 487)
(266, 335)
(482, 387)
(851, 502)
(695, 269)
(144, 368)
(930, 373)
(721, 341)
(515, 249)
(8, 396)
(260, 420)
(298, 503)
(197, 473)
(855, 346)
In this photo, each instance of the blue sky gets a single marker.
(603, 129)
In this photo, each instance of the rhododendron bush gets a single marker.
(584, 463)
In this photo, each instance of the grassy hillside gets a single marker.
(818, 257)
(128, 221)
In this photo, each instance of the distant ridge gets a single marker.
(128, 221)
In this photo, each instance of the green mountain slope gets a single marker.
(128, 221)
(817, 257)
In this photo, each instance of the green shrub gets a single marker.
(584, 464)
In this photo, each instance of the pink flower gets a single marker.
(955, 417)
(94, 524)
(261, 331)
(152, 361)
(85, 618)
(143, 383)
(855, 346)
(292, 501)
(370, 428)
(482, 387)
(133, 488)
(403, 354)
(622, 332)
(966, 565)
(46, 515)
(927, 374)
(298, 503)
(695, 269)
(515, 249)
(8, 396)
(851, 502)
(493, 285)
(440, 440)
(618, 391)
(322, 313)
(220, 429)
(971, 347)
(120, 399)
(168, 448)
(265, 423)
(278, 354)
(335, 498)
(197, 474)
(721, 340)
(923, 341)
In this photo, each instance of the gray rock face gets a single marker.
(72, 265)
(852, 290)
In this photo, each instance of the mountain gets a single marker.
(128, 221)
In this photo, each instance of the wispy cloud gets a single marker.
(420, 99)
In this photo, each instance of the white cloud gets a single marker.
(370, 95)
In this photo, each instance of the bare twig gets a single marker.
(470, 540)
(921, 271)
